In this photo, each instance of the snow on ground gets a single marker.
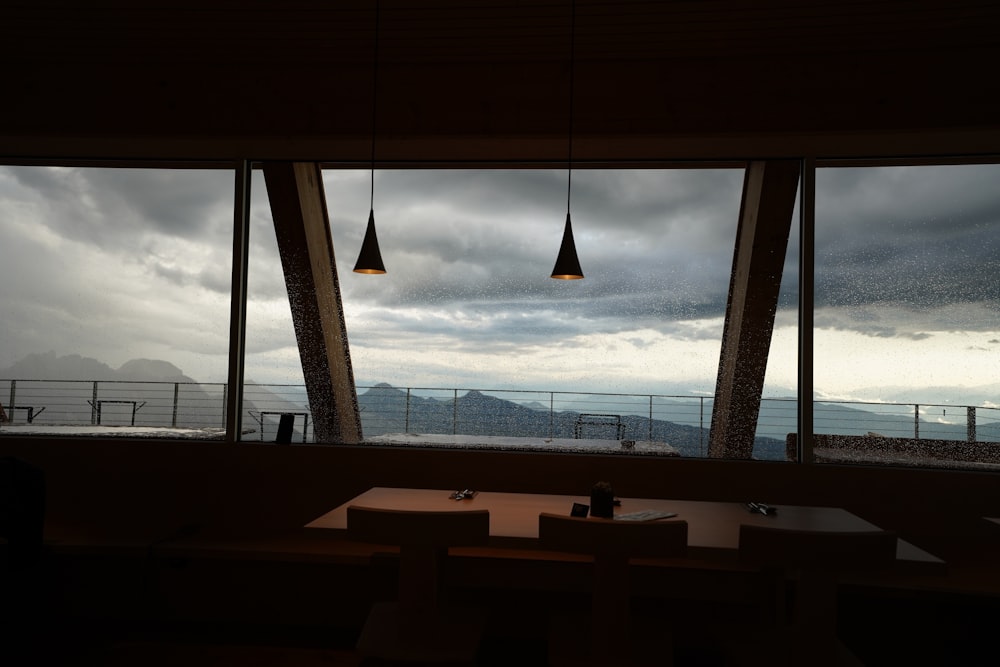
(503, 442)
(393, 439)
(207, 433)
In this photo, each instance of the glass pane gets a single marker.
(778, 415)
(907, 327)
(116, 292)
(273, 380)
(466, 335)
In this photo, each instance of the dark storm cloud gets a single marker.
(163, 219)
(639, 204)
(900, 252)
(887, 201)
(175, 202)
(913, 237)
(109, 207)
(655, 246)
(895, 246)
(921, 273)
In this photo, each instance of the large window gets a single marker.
(907, 317)
(467, 303)
(117, 288)
(116, 292)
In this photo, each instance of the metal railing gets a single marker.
(678, 420)
(195, 406)
(536, 414)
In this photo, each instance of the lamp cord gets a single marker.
(572, 68)
(374, 102)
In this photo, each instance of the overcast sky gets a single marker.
(118, 264)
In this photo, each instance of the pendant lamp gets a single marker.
(370, 258)
(567, 263)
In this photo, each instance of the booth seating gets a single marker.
(806, 632)
(605, 637)
(421, 625)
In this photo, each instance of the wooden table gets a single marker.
(713, 527)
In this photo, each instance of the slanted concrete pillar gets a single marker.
(769, 189)
(302, 227)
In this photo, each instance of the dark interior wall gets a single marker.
(653, 80)
(150, 488)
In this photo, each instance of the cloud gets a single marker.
(109, 262)
(112, 207)
(655, 245)
(116, 264)
(911, 237)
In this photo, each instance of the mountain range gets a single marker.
(77, 390)
(386, 409)
(49, 366)
(64, 388)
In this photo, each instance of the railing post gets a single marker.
(650, 419)
(94, 409)
(10, 404)
(13, 395)
(225, 405)
(552, 414)
(406, 427)
(701, 425)
(916, 421)
(970, 427)
(454, 411)
(173, 420)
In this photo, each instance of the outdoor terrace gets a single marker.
(503, 418)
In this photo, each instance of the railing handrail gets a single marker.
(639, 405)
(703, 396)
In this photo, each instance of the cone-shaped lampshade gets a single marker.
(567, 265)
(370, 259)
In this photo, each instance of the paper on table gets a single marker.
(645, 515)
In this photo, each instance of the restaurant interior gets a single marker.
(161, 551)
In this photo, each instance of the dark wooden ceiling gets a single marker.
(464, 80)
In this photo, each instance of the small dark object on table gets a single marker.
(761, 508)
(602, 501)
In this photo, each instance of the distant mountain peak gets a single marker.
(479, 397)
(145, 369)
(384, 390)
(50, 366)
